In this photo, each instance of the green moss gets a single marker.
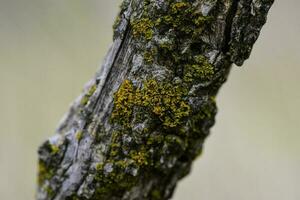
(176, 141)
(156, 194)
(206, 112)
(155, 139)
(113, 178)
(119, 171)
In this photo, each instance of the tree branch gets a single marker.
(141, 121)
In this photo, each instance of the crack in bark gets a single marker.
(228, 29)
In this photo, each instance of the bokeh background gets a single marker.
(50, 48)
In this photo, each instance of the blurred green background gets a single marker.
(50, 48)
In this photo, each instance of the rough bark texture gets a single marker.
(143, 118)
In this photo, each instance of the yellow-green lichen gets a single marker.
(54, 149)
(164, 100)
(184, 18)
(78, 135)
(143, 27)
(149, 55)
(179, 6)
(49, 191)
(199, 70)
(44, 173)
(141, 157)
(117, 22)
(86, 97)
(124, 99)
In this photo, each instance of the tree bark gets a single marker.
(141, 121)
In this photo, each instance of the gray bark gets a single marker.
(141, 121)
